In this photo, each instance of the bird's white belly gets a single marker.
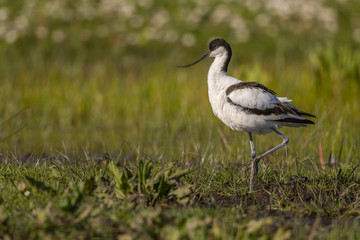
(239, 120)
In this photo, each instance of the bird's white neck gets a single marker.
(218, 71)
(218, 81)
(221, 62)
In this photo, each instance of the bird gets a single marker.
(248, 106)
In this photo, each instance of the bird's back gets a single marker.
(252, 107)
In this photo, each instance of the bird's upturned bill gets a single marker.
(189, 65)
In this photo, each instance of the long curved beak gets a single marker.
(202, 58)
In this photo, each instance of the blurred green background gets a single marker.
(100, 75)
(79, 78)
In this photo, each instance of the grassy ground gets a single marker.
(108, 139)
(58, 181)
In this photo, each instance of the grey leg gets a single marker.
(285, 141)
(253, 153)
(255, 161)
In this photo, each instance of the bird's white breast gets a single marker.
(232, 116)
(218, 82)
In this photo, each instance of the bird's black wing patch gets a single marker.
(278, 109)
(305, 114)
(242, 85)
(294, 120)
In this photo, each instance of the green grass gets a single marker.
(106, 138)
(56, 182)
(55, 199)
(69, 106)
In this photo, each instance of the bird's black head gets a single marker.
(217, 47)
(216, 43)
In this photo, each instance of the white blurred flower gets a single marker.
(68, 15)
(145, 3)
(188, 40)
(280, 8)
(165, 23)
(194, 17)
(356, 34)
(240, 29)
(42, 32)
(126, 11)
(58, 36)
(118, 27)
(342, 1)
(329, 19)
(3, 29)
(85, 35)
(220, 14)
(3, 14)
(29, 5)
(102, 31)
(152, 33)
(307, 11)
(171, 36)
(136, 21)
(11, 36)
(132, 38)
(271, 30)
(27, 193)
(21, 23)
(262, 20)
(160, 18)
(202, 8)
(54, 8)
(252, 5)
(85, 11)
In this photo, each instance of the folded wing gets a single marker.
(255, 98)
